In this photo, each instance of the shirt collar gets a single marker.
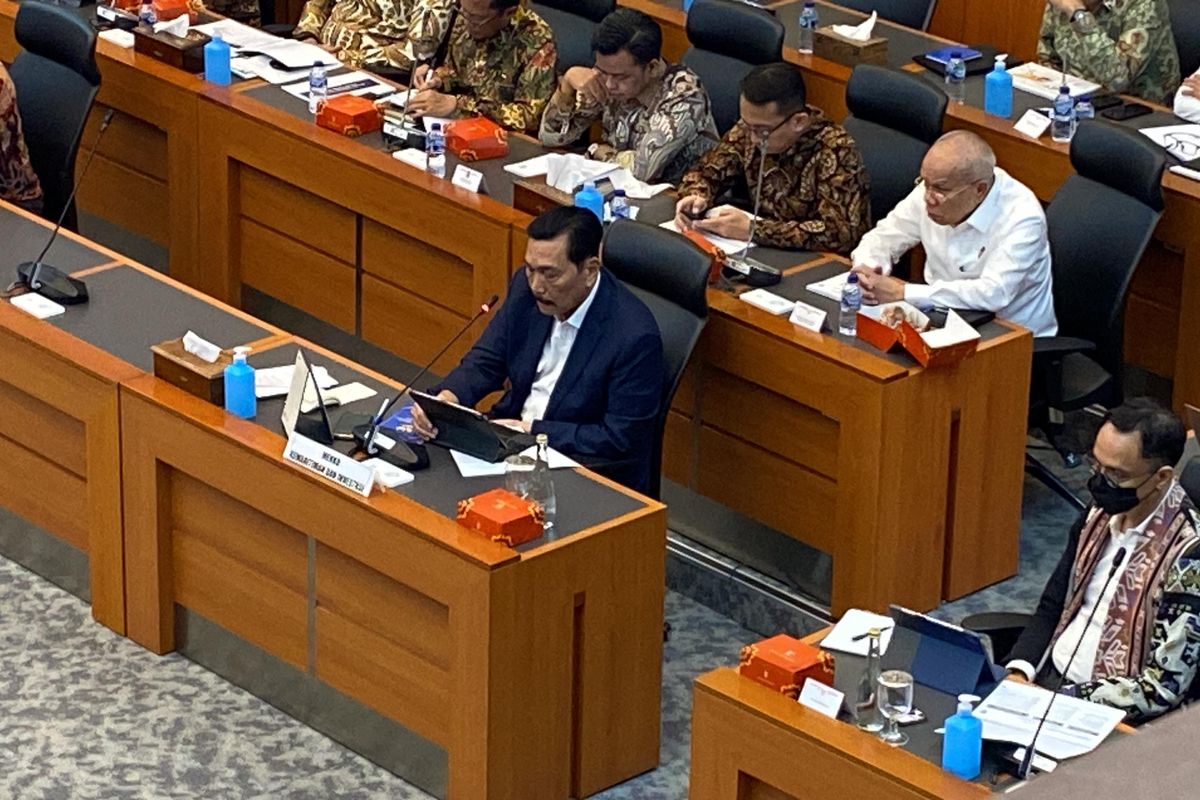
(984, 215)
(576, 318)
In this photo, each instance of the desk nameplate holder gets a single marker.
(329, 464)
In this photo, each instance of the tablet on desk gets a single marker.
(466, 430)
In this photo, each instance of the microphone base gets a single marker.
(411, 457)
(52, 282)
(751, 271)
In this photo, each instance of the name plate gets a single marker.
(1033, 124)
(807, 317)
(821, 698)
(330, 464)
(467, 178)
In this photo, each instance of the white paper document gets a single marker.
(118, 37)
(1181, 141)
(730, 246)
(1044, 81)
(342, 395)
(768, 301)
(237, 35)
(275, 381)
(1012, 711)
(830, 288)
(355, 83)
(472, 467)
(849, 635)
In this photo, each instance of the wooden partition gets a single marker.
(538, 672)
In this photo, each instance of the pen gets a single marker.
(862, 636)
(382, 408)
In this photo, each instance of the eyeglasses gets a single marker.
(1114, 476)
(940, 195)
(760, 133)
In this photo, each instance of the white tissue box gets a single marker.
(832, 46)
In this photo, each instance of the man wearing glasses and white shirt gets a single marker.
(984, 235)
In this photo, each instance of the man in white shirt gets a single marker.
(984, 235)
(1137, 542)
(576, 354)
(1187, 99)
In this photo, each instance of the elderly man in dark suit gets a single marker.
(579, 355)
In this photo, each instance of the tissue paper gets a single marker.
(860, 32)
(200, 348)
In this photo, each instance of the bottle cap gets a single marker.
(965, 701)
(240, 353)
(874, 633)
(853, 278)
(542, 438)
(1001, 59)
(618, 193)
(436, 126)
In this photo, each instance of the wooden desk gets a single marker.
(752, 743)
(518, 664)
(1159, 337)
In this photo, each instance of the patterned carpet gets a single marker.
(86, 714)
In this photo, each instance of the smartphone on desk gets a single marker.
(1102, 101)
(1127, 111)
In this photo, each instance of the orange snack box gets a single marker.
(476, 139)
(784, 663)
(502, 516)
(349, 115)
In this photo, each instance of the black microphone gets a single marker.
(755, 272)
(41, 276)
(366, 434)
(1027, 761)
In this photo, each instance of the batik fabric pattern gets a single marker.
(815, 194)
(656, 136)
(18, 182)
(1150, 642)
(508, 78)
(377, 32)
(1126, 45)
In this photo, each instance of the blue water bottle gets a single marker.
(808, 26)
(239, 386)
(998, 89)
(1062, 123)
(435, 151)
(956, 78)
(851, 303)
(620, 206)
(589, 197)
(216, 61)
(962, 747)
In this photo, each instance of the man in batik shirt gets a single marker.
(1124, 45)
(657, 119)
(815, 192)
(18, 182)
(366, 33)
(499, 64)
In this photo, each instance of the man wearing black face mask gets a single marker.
(1141, 649)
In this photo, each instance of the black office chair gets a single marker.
(670, 275)
(1185, 24)
(56, 81)
(909, 13)
(1099, 224)
(894, 118)
(728, 38)
(573, 23)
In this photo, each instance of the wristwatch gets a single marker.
(1084, 20)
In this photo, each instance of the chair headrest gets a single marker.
(737, 30)
(60, 35)
(659, 261)
(1120, 158)
(896, 100)
(594, 10)
(1190, 480)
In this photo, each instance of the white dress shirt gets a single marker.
(1081, 670)
(554, 357)
(998, 259)
(1187, 105)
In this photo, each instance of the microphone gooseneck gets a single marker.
(1027, 761)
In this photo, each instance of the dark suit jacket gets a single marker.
(606, 403)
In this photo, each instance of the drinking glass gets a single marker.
(518, 474)
(895, 700)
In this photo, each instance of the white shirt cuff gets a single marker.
(919, 294)
(1022, 666)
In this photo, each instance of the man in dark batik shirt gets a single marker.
(815, 188)
(18, 182)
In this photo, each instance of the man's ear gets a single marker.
(592, 268)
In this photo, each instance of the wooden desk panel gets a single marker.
(520, 665)
(751, 743)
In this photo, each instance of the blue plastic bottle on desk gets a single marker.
(589, 197)
(216, 61)
(998, 89)
(239, 386)
(962, 748)
(1062, 122)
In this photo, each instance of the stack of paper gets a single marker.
(1045, 82)
(275, 381)
(730, 246)
(1012, 711)
(355, 83)
(830, 288)
(472, 467)
(849, 635)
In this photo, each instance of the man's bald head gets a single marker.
(958, 172)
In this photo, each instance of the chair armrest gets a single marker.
(1060, 346)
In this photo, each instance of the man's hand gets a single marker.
(688, 210)
(1191, 85)
(329, 48)
(585, 81)
(880, 288)
(1067, 7)
(515, 424)
(428, 103)
(1017, 677)
(421, 423)
(424, 78)
(727, 221)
